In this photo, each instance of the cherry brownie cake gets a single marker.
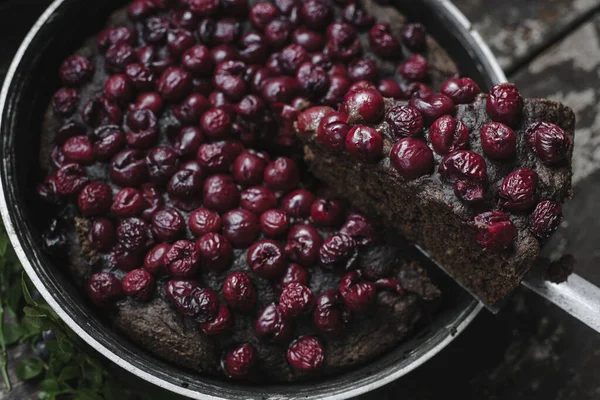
(181, 200)
(478, 180)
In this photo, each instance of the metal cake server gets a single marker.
(577, 296)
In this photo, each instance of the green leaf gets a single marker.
(87, 394)
(26, 293)
(69, 372)
(14, 297)
(12, 333)
(49, 385)
(29, 369)
(33, 312)
(3, 245)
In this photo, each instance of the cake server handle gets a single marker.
(576, 296)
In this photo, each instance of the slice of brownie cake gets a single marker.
(479, 184)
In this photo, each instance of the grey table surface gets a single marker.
(530, 350)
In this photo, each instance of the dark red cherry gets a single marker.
(104, 288)
(405, 120)
(364, 105)
(306, 353)
(303, 244)
(271, 324)
(167, 224)
(549, 142)
(414, 37)
(448, 134)
(95, 199)
(215, 252)
(365, 144)
(220, 324)
(240, 361)
(545, 219)
(460, 90)
(358, 295)
(76, 70)
(266, 258)
(415, 68)
(239, 292)
(296, 300)
(282, 174)
(433, 107)
(505, 104)
(467, 170)
(240, 227)
(333, 130)
(102, 234)
(258, 199)
(182, 259)
(154, 259)
(383, 43)
(328, 316)
(498, 141)
(220, 193)
(138, 284)
(274, 222)
(494, 230)
(518, 190)
(203, 221)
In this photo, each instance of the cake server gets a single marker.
(577, 296)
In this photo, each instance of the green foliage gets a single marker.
(66, 369)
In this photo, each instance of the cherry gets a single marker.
(138, 284)
(128, 168)
(203, 8)
(297, 203)
(220, 324)
(494, 230)
(116, 34)
(337, 249)
(548, 141)
(498, 141)
(415, 68)
(191, 109)
(303, 244)
(204, 304)
(306, 353)
(103, 288)
(316, 14)
(203, 221)
(448, 134)
(179, 294)
(460, 90)
(258, 199)
(100, 111)
(152, 101)
(248, 169)
(433, 107)
(405, 120)
(505, 104)
(277, 32)
(154, 259)
(296, 300)
(220, 193)
(102, 234)
(182, 259)
(356, 16)
(383, 43)
(467, 171)
(282, 174)
(294, 273)
(215, 252)
(197, 60)
(70, 179)
(118, 57)
(185, 184)
(174, 84)
(414, 37)
(364, 105)
(95, 199)
(328, 316)
(162, 163)
(188, 140)
(310, 40)
(266, 258)
(134, 234)
(75, 71)
(360, 229)
(390, 88)
(365, 144)
(358, 295)
(274, 222)
(261, 14)
(271, 324)
(64, 101)
(239, 362)
(333, 130)
(239, 292)
(240, 227)
(517, 192)
(545, 219)
(167, 224)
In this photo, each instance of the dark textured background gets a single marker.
(530, 350)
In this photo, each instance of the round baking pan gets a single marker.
(31, 80)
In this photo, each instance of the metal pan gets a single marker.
(27, 89)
